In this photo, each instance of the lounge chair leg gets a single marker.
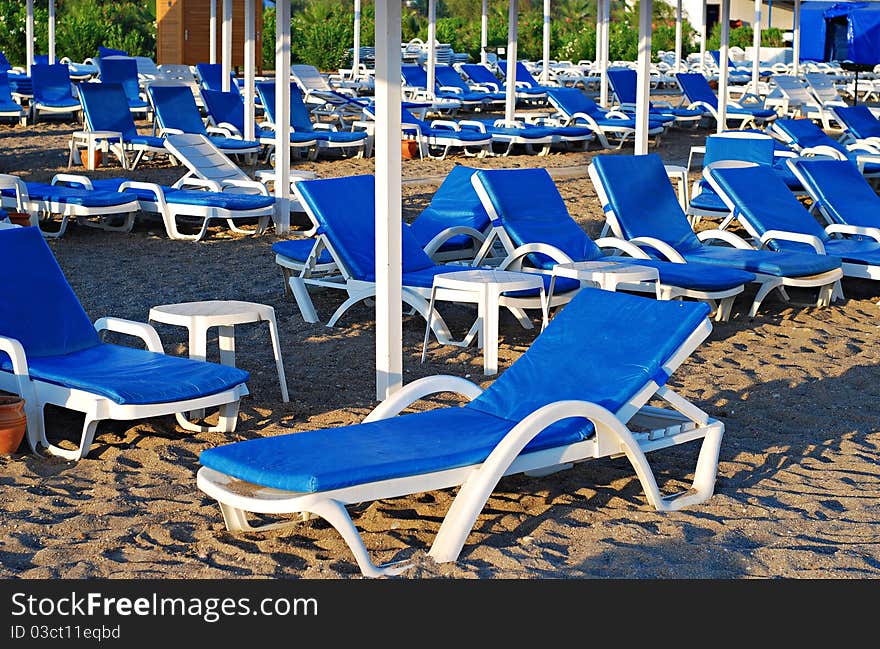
(236, 521)
(725, 307)
(225, 424)
(88, 435)
(837, 291)
(765, 289)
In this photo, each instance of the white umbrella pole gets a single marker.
(510, 81)
(51, 31)
(282, 110)
(484, 32)
(756, 47)
(678, 36)
(213, 28)
(250, 64)
(643, 88)
(389, 210)
(432, 46)
(703, 36)
(545, 71)
(29, 35)
(603, 10)
(356, 51)
(796, 38)
(723, 66)
(227, 43)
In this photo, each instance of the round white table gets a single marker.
(485, 288)
(198, 317)
(607, 275)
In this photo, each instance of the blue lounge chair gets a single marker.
(808, 139)
(450, 80)
(226, 111)
(52, 354)
(105, 52)
(735, 73)
(343, 210)
(327, 136)
(627, 184)
(573, 107)
(624, 84)
(531, 222)
(8, 107)
(43, 201)
(745, 145)
(211, 77)
(779, 221)
(53, 91)
(841, 196)
(106, 108)
(579, 392)
(700, 96)
(124, 72)
(859, 124)
(416, 77)
(483, 77)
(176, 112)
(524, 80)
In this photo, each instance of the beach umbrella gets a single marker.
(796, 38)
(282, 126)
(510, 80)
(213, 29)
(356, 51)
(51, 31)
(250, 65)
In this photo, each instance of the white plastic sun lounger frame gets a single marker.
(97, 408)
(847, 269)
(613, 438)
(42, 211)
(720, 301)
(828, 282)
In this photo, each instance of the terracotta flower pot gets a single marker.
(13, 424)
(97, 158)
(19, 218)
(409, 149)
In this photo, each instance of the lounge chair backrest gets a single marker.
(414, 75)
(105, 108)
(859, 121)
(696, 88)
(309, 77)
(840, 190)
(569, 100)
(300, 118)
(39, 309)
(643, 199)
(176, 108)
(624, 84)
(739, 145)
(605, 356)
(225, 107)
(211, 76)
(5, 65)
(122, 71)
(51, 83)
(454, 203)
(5, 90)
(447, 76)
(806, 133)
(762, 198)
(344, 209)
(104, 52)
(528, 205)
(521, 73)
(794, 88)
(203, 158)
(479, 73)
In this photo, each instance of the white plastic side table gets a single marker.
(92, 140)
(485, 288)
(198, 317)
(607, 275)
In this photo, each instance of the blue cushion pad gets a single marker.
(708, 200)
(695, 276)
(72, 195)
(765, 262)
(425, 278)
(222, 200)
(339, 136)
(299, 249)
(127, 375)
(147, 140)
(406, 445)
(855, 251)
(233, 144)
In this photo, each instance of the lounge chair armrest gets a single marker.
(73, 179)
(170, 131)
(855, 230)
(443, 236)
(254, 186)
(727, 237)
(864, 147)
(16, 353)
(445, 123)
(513, 261)
(225, 128)
(324, 126)
(415, 128)
(141, 330)
(472, 125)
(660, 246)
(201, 183)
(798, 237)
(822, 150)
(623, 246)
(421, 388)
(617, 114)
(454, 89)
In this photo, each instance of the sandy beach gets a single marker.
(797, 388)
